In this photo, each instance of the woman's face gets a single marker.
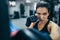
(42, 13)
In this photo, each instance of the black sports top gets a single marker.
(44, 30)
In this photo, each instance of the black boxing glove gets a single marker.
(33, 18)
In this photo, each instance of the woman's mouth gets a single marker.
(40, 19)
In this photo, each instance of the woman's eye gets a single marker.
(38, 13)
(44, 13)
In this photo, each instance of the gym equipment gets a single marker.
(31, 34)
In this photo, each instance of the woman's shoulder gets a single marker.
(53, 24)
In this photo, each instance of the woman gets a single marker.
(43, 24)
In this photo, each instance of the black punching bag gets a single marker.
(4, 20)
(31, 34)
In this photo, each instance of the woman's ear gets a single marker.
(48, 14)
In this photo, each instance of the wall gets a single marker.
(27, 8)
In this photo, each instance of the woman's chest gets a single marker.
(44, 28)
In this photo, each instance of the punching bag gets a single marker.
(4, 21)
(31, 34)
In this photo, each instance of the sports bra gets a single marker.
(44, 30)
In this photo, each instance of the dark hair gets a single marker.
(43, 4)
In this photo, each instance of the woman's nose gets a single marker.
(41, 16)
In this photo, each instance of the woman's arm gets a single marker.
(54, 31)
(32, 25)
